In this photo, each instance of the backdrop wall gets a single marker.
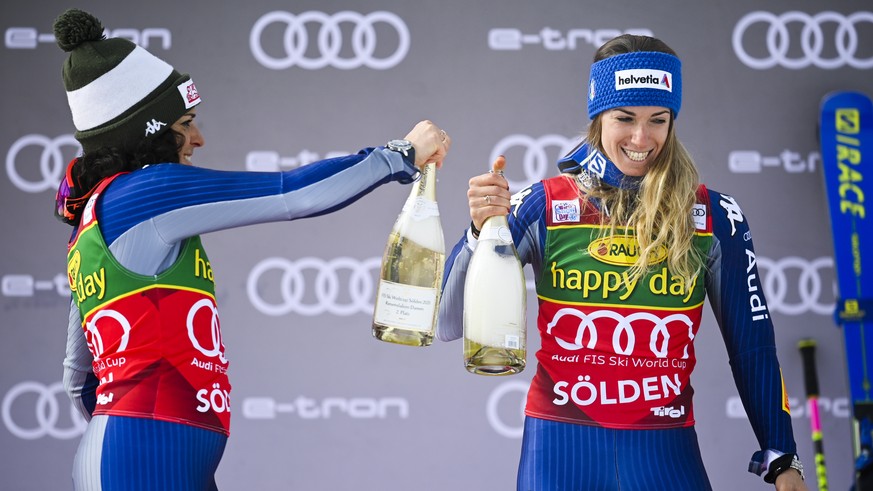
(318, 404)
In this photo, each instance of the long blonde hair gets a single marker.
(658, 212)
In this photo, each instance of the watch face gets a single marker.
(399, 144)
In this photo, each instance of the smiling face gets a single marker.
(633, 136)
(189, 136)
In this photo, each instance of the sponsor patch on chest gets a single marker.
(564, 211)
(698, 213)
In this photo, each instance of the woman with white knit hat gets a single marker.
(145, 364)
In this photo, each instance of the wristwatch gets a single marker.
(402, 146)
(795, 464)
(778, 466)
(405, 148)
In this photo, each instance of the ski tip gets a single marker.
(853, 97)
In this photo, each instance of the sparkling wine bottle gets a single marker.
(495, 302)
(412, 269)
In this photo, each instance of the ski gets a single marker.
(846, 139)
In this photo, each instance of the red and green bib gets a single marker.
(156, 340)
(616, 352)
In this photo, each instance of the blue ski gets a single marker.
(847, 161)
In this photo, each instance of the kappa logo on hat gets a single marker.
(189, 94)
(154, 126)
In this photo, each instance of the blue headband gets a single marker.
(641, 78)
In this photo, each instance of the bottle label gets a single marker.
(501, 234)
(405, 306)
(511, 341)
(421, 208)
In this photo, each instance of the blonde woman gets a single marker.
(625, 245)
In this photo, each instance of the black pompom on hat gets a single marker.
(118, 92)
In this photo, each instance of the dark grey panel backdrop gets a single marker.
(317, 403)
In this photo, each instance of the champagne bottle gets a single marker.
(412, 269)
(495, 302)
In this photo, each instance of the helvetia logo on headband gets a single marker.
(644, 79)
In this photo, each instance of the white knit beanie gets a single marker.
(118, 92)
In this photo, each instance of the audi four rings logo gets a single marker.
(355, 298)
(216, 347)
(811, 287)
(330, 41)
(813, 44)
(48, 420)
(95, 338)
(536, 163)
(52, 162)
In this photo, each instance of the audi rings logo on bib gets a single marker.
(311, 286)
(537, 163)
(827, 40)
(116, 333)
(378, 40)
(208, 330)
(42, 168)
(32, 410)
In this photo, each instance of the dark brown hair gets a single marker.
(88, 170)
(630, 43)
